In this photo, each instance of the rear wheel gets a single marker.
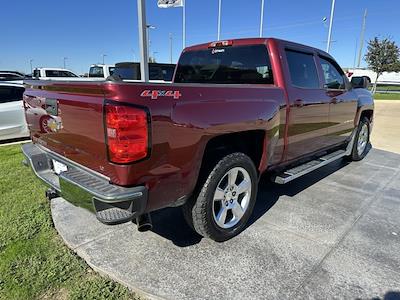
(361, 140)
(226, 199)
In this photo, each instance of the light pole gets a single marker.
(170, 48)
(362, 39)
(154, 55)
(30, 62)
(148, 26)
(183, 24)
(134, 55)
(262, 18)
(103, 56)
(65, 62)
(219, 20)
(328, 44)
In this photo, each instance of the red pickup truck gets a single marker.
(235, 110)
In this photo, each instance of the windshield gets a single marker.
(230, 65)
(168, 72)
(156, 71)
(127, 72)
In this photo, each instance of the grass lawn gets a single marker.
(386, 96)
(388, 87)
(34, 262)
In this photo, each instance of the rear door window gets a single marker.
(302, 69)
(230, 65)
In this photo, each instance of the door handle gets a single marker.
(299, 103)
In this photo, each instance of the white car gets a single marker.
(54, 74)
(387, 78)
(12, 76)
(12, 116)
(101, 71)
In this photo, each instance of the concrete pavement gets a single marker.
(335, 233)
(386, 132)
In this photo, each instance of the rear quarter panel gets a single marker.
(181, 129)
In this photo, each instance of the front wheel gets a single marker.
(226, 199)
(361, 140)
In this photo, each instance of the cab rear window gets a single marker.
(230, 65)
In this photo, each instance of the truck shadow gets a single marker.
(170, 223)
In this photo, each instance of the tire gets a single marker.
(221, 214)
(361, 140)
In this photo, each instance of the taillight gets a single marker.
(127, 133)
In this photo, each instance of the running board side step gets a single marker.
(298, 171)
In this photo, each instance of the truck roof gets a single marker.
(58, 69)
(255, 41)
(102, 65)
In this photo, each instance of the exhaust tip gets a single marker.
(144, 223)
(51, 194)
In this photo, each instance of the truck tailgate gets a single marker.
(68, 120)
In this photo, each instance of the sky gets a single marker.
(83, 30)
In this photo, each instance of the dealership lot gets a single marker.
(334, 232)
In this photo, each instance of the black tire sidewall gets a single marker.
(355, 156)
(222, 234)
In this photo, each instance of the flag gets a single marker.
(169, 3)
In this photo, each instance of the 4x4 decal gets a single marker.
(154, 94)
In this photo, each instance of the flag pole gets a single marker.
(184, 23)
(262, 18)
(219, 20)
(328, 44)
(144, 56)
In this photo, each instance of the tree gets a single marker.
(382, 56)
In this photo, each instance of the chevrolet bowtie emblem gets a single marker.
(52, 124)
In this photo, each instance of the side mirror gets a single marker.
(359, 82)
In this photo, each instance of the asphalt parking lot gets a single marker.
(335, 233)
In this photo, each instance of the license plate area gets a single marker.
(58, 167)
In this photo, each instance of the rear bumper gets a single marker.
(111, 203)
